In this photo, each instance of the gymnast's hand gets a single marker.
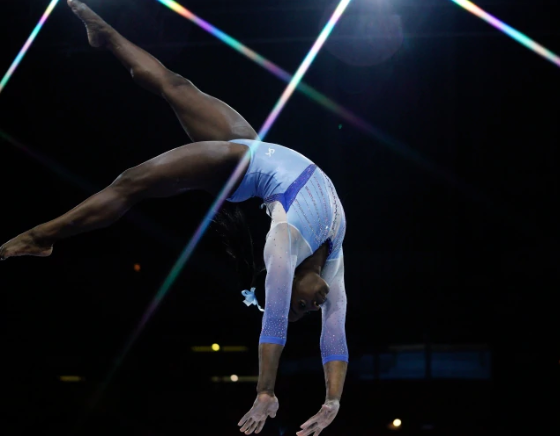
(265, 405)
(314, 426)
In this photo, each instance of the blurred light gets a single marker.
(510, 31)
(235, 349)
(304, 67)
(224, 37)
(217, 347)
(205, 348)
(397, 422)
(137, 267)
(71, 378)
(235, 379)
(199, 349)
(26, 46)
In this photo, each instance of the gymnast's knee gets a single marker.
(159, 80)
(132, 183)
(175, 83)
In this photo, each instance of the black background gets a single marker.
(467, 258)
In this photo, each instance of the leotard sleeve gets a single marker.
(280, 257)
(333, 335)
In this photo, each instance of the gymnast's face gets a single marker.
(309, 292)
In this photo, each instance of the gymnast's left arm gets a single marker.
(334, 349)
(280, 261)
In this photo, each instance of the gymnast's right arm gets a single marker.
(280, 266)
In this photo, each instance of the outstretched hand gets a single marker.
(315, 425)
(264, 406)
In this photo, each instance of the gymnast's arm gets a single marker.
(280, 264)
(334, 349)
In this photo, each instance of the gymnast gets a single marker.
(303, 253)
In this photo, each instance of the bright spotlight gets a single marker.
(215, 347)
(397, 423)
(234, 378)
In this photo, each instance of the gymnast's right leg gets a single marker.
(202, 166)
(203, 117)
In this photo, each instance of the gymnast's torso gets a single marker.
(282, 176)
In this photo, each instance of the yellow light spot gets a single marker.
(137, 267)
(215, 347)
(71, 378)
(397, 422)
(234, 349)
(234, 378)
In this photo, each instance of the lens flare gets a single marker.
(510, 31)
(224, 37)
(26, 46)
(282, 74)
(296, 80)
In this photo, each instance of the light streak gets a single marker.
(27, 45)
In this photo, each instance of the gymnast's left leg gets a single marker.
(202, 166)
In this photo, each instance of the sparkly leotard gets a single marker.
(306, 213)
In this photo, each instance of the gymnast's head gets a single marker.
(309, 293)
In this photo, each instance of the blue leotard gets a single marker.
(306, 213)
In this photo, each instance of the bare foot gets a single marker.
(97, 29)
(25, 245)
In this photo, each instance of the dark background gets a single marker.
(460, 262)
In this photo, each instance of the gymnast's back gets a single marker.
(272, 169)
(309, 199)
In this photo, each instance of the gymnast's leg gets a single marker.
(203, 117)
(200, 166)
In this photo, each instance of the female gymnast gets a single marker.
(303, 250)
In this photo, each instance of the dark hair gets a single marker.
(235, 234)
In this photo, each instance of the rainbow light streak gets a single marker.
(27, 44)
(304, 67)
(279, 72)
(307, 90)
(224, 37)
(510, 31)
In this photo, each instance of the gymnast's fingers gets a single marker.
(244, 419)
(261, 426)
(246, 425)
(309, 430)
(311, 421)
(252, 427)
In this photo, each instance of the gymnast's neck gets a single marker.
(316, 261)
